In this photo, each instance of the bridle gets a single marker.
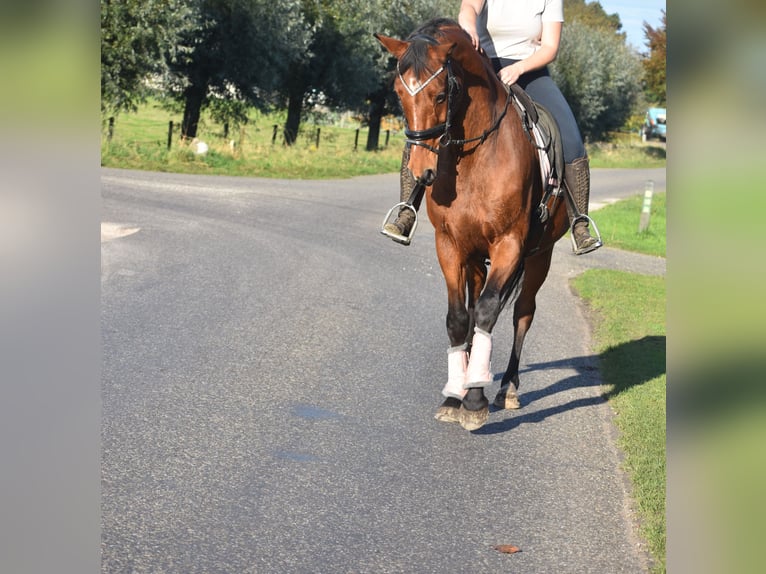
(442, 131)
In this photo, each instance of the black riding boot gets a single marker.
(577, 179)
(402, 225)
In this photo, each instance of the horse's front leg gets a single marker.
(459, 327)
(458, 323)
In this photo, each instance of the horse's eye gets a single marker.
(441, 98)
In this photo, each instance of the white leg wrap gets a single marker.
(457, 363)
(480, 367)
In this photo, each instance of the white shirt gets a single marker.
(513, 28)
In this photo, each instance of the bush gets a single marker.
(600, 78)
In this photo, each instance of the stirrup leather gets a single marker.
(398, 237)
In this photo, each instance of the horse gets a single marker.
(484, 194)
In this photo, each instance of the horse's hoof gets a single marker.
(447, 414)
(507, 398)
(448, 411)
(473, 420)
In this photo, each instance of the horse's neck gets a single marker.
(486, 103)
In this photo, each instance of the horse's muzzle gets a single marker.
(427, 178)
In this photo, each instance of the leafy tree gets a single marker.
(656, 61)
(138, 37)
(335, 66)
(599, 76)
(592, 14)
(231, 60)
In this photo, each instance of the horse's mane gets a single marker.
(432, 33)
(428, 34)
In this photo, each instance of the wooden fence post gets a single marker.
(274, 135)
(241, 144)
(356, 139)
(170, 134)
(110, 133)
(388, 134)
(318, 132)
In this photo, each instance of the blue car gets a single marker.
(654, 124)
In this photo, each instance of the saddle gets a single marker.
(543, 131)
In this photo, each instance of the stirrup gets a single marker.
(398, 237)
(592, 225)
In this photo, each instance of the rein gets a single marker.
(442, 131)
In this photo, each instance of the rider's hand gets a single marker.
(471, 31)
(510, 74)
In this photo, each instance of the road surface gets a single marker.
(271, 369)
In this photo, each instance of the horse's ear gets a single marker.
(394, 46)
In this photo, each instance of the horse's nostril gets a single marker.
(428, 177)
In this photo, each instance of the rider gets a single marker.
(522, 38)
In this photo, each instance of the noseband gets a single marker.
(442, 131)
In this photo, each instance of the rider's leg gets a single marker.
(577, 180)
(544, 90)
(406, 218)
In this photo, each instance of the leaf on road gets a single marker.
(507, 548)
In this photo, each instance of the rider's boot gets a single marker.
(577, 179)
(402, 225)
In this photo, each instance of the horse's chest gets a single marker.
(474, 217)
(462, 220)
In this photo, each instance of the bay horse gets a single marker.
(483, 189)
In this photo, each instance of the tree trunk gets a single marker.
(293, 122)
(195, 97)
(377, 107)
(296, 89)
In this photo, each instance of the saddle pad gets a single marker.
(545, 132)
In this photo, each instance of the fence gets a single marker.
(250, 136)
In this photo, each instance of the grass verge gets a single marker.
(628, 315)
(626, 151)
(618, 224)
(140, 141)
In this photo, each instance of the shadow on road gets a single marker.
(645, 356)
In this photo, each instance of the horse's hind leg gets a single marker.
(535, 272)
(477, 275)
(503, 277)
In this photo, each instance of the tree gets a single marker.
(338, 63)
(138, 37)
(592, 14)
(656, 61)
(599, 76)
(232, 59)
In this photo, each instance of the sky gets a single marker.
(633, 14)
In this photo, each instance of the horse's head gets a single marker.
(428, 89)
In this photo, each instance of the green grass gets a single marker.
(619, 225)
(628, 314)
(140, 142)
(626, 151)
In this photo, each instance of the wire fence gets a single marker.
(252, 135)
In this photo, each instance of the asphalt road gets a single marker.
(271, 367)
